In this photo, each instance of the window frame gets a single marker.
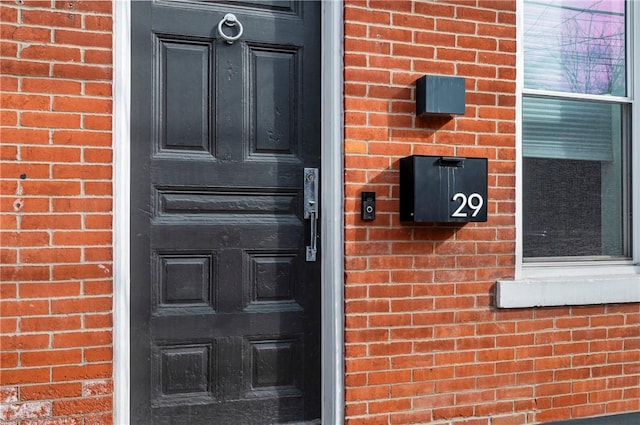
(579, 282)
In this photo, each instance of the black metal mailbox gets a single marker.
(443, 189)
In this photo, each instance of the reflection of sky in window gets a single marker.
(575, 46)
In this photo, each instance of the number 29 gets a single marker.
(473, 202)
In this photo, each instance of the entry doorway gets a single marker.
(225, 318)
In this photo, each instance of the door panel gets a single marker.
(224, 306)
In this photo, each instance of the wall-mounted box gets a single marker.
(440, 95)
(443, 189)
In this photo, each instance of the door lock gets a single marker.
(311, 210)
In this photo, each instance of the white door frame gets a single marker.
(332, 259)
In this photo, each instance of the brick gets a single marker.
(79, 406)
(97, 122)
(366, 335)
(25, 238)
(8, 153)
(44, 18)
(49, 289)
(45, 85)
(23, 135)
(97, 6)
(8, 14)
(20, 272)
(389, 405)
(24, 307)
(98, 221)
(89, 371)
(52, 53)
(50, 357)
(81, 339)
(26, 33)
(9, 359)
(83, 72)
(98, 287)
(8, 118)
(98, 354)
(8, 325)
(82, 38)
(81, 138)
(98, 321)
(98, 23)
(81, 238)
(63, 205)
(8, 256)
(98, 419)
(81, 104)
(456, 26)
(50, 120)
(98, 57)
(50, 323)
(9, 49)
(50, 154)
(15, 67)
(24, 375)
(37, 4)
(98, 89)
(81, 271)
(24, 342)
(29, 410)
(434, 38)
(24, 102)
(51, 391)
(369, 393)
(8, 394)
(57, 221)
(98, 155)
(96, 388)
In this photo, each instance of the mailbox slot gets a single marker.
(443, 189)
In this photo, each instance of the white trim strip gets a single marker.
(519, 89)
(634, 87)
(121, 204)
(568, 291)
(576, 96)
(332, 214)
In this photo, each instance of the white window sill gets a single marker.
(619, 285)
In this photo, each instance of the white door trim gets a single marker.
(332, 222)
(121, 205)
(332, 211)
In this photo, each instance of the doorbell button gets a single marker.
(368, 209)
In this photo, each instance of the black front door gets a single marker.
(225, 307)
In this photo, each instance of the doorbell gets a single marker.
(368, 209)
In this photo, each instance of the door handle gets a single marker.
(311, 210)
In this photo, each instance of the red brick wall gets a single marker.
(424, 342)
(56, 248)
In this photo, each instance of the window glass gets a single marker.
(576, 150)
(570, 129)
(575, 46)
(573, 186)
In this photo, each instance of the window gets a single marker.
(575, 131)
(578, 135)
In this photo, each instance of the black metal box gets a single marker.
(440, 95)
(443, 189)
